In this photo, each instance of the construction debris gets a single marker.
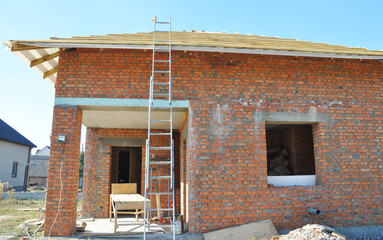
(259, 230)
(313, 232)
(278, 162)
(80, 226)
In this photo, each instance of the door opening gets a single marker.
(126, 165)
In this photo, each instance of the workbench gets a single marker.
(119, 202)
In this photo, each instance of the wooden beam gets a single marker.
(184, 120)
(23, 47)
(44, 59)
(50, 72)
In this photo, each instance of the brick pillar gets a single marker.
(97, 176)
(64, 158)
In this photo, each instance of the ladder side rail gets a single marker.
(173, 195)
(145, 186)
(171, 126)
(147, 157)
(151, 196)
(170, 61)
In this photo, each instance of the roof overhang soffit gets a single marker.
(43, 60)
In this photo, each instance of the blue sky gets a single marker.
(26, 99)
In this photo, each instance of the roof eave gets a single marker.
(205, 49)
(30, 145)
(43, 57)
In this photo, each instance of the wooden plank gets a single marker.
(112, 235)
(44, 59)
(158, 205)
(258, 230)
(40, 228)
(50, 72)
(124, 188)
(206, 40)
(22, 47)
(184, 119)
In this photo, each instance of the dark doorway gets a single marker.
(126, 165)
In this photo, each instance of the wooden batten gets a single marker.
(50, 72)
(44, 59)
(22, 47)
(184, 120)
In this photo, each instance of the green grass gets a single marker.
(15, 212)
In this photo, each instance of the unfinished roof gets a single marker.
(42, 55)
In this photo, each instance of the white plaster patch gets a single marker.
(313, 109)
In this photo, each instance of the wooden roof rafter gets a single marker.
(44, 59)
(50, 72)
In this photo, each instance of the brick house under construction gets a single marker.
(264, 127)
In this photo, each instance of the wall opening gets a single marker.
(290, 152)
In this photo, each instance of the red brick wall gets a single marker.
(304, 160)
(97, 168)
(226, 150)
(183, 168)
(63, 172)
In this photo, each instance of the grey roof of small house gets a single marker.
(39, 168)
(40, 157)
(8, 134)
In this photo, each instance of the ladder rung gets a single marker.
(159, 193)
(162, 31)
(160, 177)
(161, 107)
(159, 226)
(161, 94)
(157, 40)
(159, 120)
(160, 148)
(161, 83)
(160, 133)
(162, 50)
(163, 22)
(160, 162)
(161, 60)
(159, 209)
(157, 71)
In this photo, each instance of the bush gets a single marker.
(5, 187)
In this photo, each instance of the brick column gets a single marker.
(64, 158)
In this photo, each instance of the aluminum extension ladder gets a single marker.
(159, 171)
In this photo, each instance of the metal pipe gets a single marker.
(314, 211)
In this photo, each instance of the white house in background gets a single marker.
(44, 151)
(15, 152)
(38, 170)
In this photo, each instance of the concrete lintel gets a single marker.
(123, 102)
(291, 117)
(123, 142)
